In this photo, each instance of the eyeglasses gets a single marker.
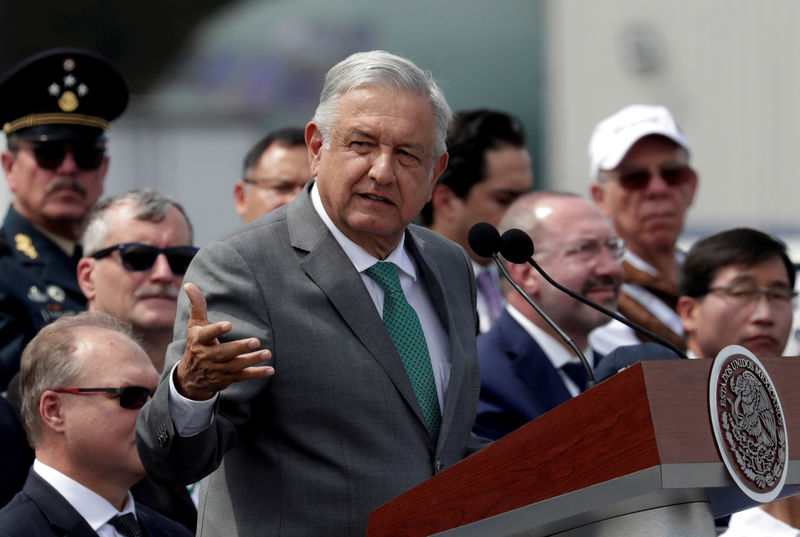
(747, 295)
(137, 257)
(638, 178)
(50, 155)
(588, 249)
(130, 397)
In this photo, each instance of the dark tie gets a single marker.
(577, 373)
(491, 292)
(126, 525)
(406, 332)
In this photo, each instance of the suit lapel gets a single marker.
(330, 269)
(55, 508)
(532, 366)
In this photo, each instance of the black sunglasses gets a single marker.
(50, 155)
(136, 256)
(130, 397)
(639, 178)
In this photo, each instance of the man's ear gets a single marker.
(86, 267)
(526, 276)
(7, 158)
(51, 410)
(239, 197)
(687, 309)
(314, 145)
(598, 193)
(444, 201)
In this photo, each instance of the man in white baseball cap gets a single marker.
(642, 181)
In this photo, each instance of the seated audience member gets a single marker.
(737, 287)
(643, 182)
(138, 246)
(83, 380)
(274, 172)
(489, 168)
(526, 368)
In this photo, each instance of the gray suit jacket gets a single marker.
(337, 431)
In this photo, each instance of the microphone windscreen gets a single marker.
(484, 239)
(625, 356)
(516, 246)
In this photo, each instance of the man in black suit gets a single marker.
(83, 380)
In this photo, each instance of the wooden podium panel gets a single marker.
(651, 420)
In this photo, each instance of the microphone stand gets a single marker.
(568, 340)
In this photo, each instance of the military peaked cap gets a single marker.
(62, 94)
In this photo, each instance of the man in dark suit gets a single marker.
(526, 368)
(369, 392)
(488, 168)
(55, 108)
(83, 380)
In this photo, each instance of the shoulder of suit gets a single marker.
(151, 519)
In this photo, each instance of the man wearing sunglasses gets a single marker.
(83, 382)
(643, 182)
(526, 368)
(137, 247)
(55, 108)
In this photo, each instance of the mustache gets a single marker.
(602, 281)
(157, 290)
(65, 184)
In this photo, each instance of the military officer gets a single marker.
(55, 108)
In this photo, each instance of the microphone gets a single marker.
(517, 247)
(485, 240)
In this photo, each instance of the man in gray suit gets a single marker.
(345, 416)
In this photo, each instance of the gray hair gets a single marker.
(380, 68)
(152, 207)
(47, 362)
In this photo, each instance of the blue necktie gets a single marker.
(577, 373)
(406, 332)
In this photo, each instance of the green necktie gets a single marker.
(406, 332)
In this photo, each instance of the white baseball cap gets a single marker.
(614, 136)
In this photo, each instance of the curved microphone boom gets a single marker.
(517, 247)
(485, 240)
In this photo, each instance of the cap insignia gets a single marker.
(68, 101)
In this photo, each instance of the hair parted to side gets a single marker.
(291, 136)
(151, 207)
(382, 69)
(47, 361)
(741, 246)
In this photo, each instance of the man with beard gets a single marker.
(526, 368)
(643, 182)
(54, 108)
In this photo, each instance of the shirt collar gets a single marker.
(361, 258)
(553, 349)
(90, 505)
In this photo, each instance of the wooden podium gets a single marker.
(634, 455)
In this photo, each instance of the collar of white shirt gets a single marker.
(90, 505)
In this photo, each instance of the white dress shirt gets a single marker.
(755, 522)
(94, 508)
(191, 417)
